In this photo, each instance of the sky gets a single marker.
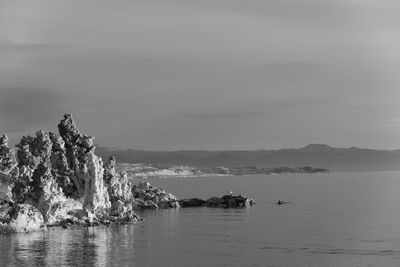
(209, 74)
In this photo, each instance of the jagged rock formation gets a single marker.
(58, 180)
(119, 190)
(56, 174)
(226, 201)
(148, 197)
(8, 170)
(25, 218)
(22, 218)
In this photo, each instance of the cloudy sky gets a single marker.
(209, 74)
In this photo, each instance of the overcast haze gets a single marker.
(209, 74)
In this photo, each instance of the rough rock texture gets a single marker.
(25, 218)
(96, 197)
(8, 170)
(37, 185)
(58, 180)
(147, 196)
(191, 202)
(60, 211)
(56, 174)
(119, 186)
(87, 175)
(120, 192)
(227, 201)
(77, 149)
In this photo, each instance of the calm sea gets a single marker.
(337, 219)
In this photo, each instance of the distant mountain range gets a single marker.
(315, 155)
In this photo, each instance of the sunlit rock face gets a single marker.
(8, 170)
(96, 196)
(25, 218)
(58, 180)
(119, 186)
(147, 196)
(37, 183)
(52, 173)
(119, 189)
(60, 211)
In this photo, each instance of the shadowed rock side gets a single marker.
(55, 180)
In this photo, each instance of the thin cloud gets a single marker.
(22, 108)
(224, 114)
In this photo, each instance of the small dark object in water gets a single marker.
(281, 202)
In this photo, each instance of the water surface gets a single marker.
(338, 219)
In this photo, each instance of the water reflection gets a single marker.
(99, 246)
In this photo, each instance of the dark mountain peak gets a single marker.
(316, 147)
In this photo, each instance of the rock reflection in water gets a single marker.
(69, 247)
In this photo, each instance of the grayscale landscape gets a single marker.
(200, 133)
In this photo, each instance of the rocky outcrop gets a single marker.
(25, 218)
(96, 197)
(8, 170)
(37, 184)
(56, 179)
(87, 168)
(226, 201)
(55, 174)
(147, 196)
(119, 190)
(191, 202)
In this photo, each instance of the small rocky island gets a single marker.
(57, 180)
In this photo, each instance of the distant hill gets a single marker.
(316, 155)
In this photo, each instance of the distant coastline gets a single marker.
(351, 159)
(140, 170)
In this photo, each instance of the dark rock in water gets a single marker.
(147, 196)
(191, 202)
(227, 201)
(234, 201)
